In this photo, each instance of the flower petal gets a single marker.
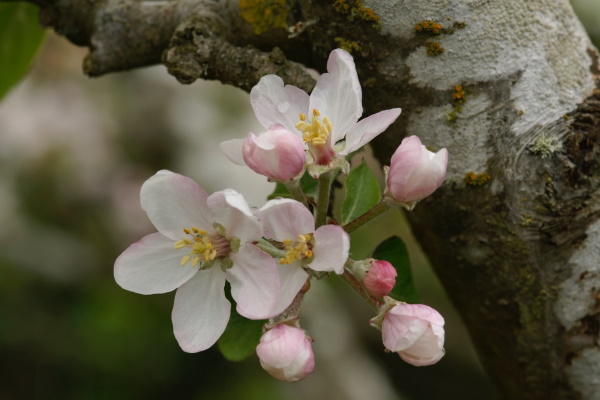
(274, 103)
(174, 202)
(151, 266)
(292, 278)
(286, 219)
(338, 95)
(367, 129)
(399, 332)
(233, 150)
(233, 213)
(201, 310)
(254, 282)
(428, 350)
(332, 245)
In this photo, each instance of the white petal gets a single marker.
(286, 219)
(233, 150)
(367, 129)
(332, 245)
(254, 282)
(274, 103)
(201, 310)
(152, 266)
(174, 202)
(233, 213)
(292, 278)
(401, 332)
(337, 94)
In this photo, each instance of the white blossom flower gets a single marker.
(325, 249)
(201, 242)
(327, 120)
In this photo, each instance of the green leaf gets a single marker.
(309, 185)
(20, 37)
(393, 250)
(240, 337)
(362, 193)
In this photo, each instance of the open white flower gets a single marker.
(325, 249)
(327, 120)
(201, 242)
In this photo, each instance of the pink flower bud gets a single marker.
(415, 332)
(415, 172)
(286, 353)
(277, 153)
(380, 278)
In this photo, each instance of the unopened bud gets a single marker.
(380, 279)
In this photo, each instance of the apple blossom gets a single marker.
(327, 120)
(380, 279)
(414, 172)
(324, 249)
(277, 153)
(415, 332)
(201, 242)
(286, 353)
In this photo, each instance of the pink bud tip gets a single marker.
(415, 172)
(415, 332)
(380, 278)
(277, 153)
(286, 353)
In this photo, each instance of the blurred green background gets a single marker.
(73, 155)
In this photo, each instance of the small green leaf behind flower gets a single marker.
(393, 250)
(240, 337)
(362, 193)
(308, 184)
(20, 38)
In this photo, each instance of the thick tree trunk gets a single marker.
(506, 86)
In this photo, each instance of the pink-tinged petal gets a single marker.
(286, 353)
(428, 350)
(277, 153)
(338, 95)
(292, 278)
(332, 245)
(233, 150)
(254, 282)
(415, 172)
(174, 202)
(399, 332)
(286, 219)
(233, 213)
(152, 265)
(201, 310)
(274, 103)
(367, 129)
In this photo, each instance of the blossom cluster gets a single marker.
(269, 255)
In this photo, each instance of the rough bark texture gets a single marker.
(506, 86)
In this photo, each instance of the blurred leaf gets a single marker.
(20, 37)
(362, 193)
(309, 185)
(240, 337)
(393, 250)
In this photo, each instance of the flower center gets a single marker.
(297, 250)
(315, 132)
(204, 248)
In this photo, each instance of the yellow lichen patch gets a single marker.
(458, 95)
(297, 250)
(434, 49)
(474, 179)
(355, 10)
(346, 44)
(430, 27)
(264, 15)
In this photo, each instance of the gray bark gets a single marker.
(507, 86)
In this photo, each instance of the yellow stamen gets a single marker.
(316, 131)
(180, 244)
(187, 231)
(184, 260)
(195, 230)
(201, 246)
(296, 250)
(302, 117)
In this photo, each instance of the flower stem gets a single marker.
(323, 198)
(296, 191)
(268, 248)
(358, 288)
(379, 209)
